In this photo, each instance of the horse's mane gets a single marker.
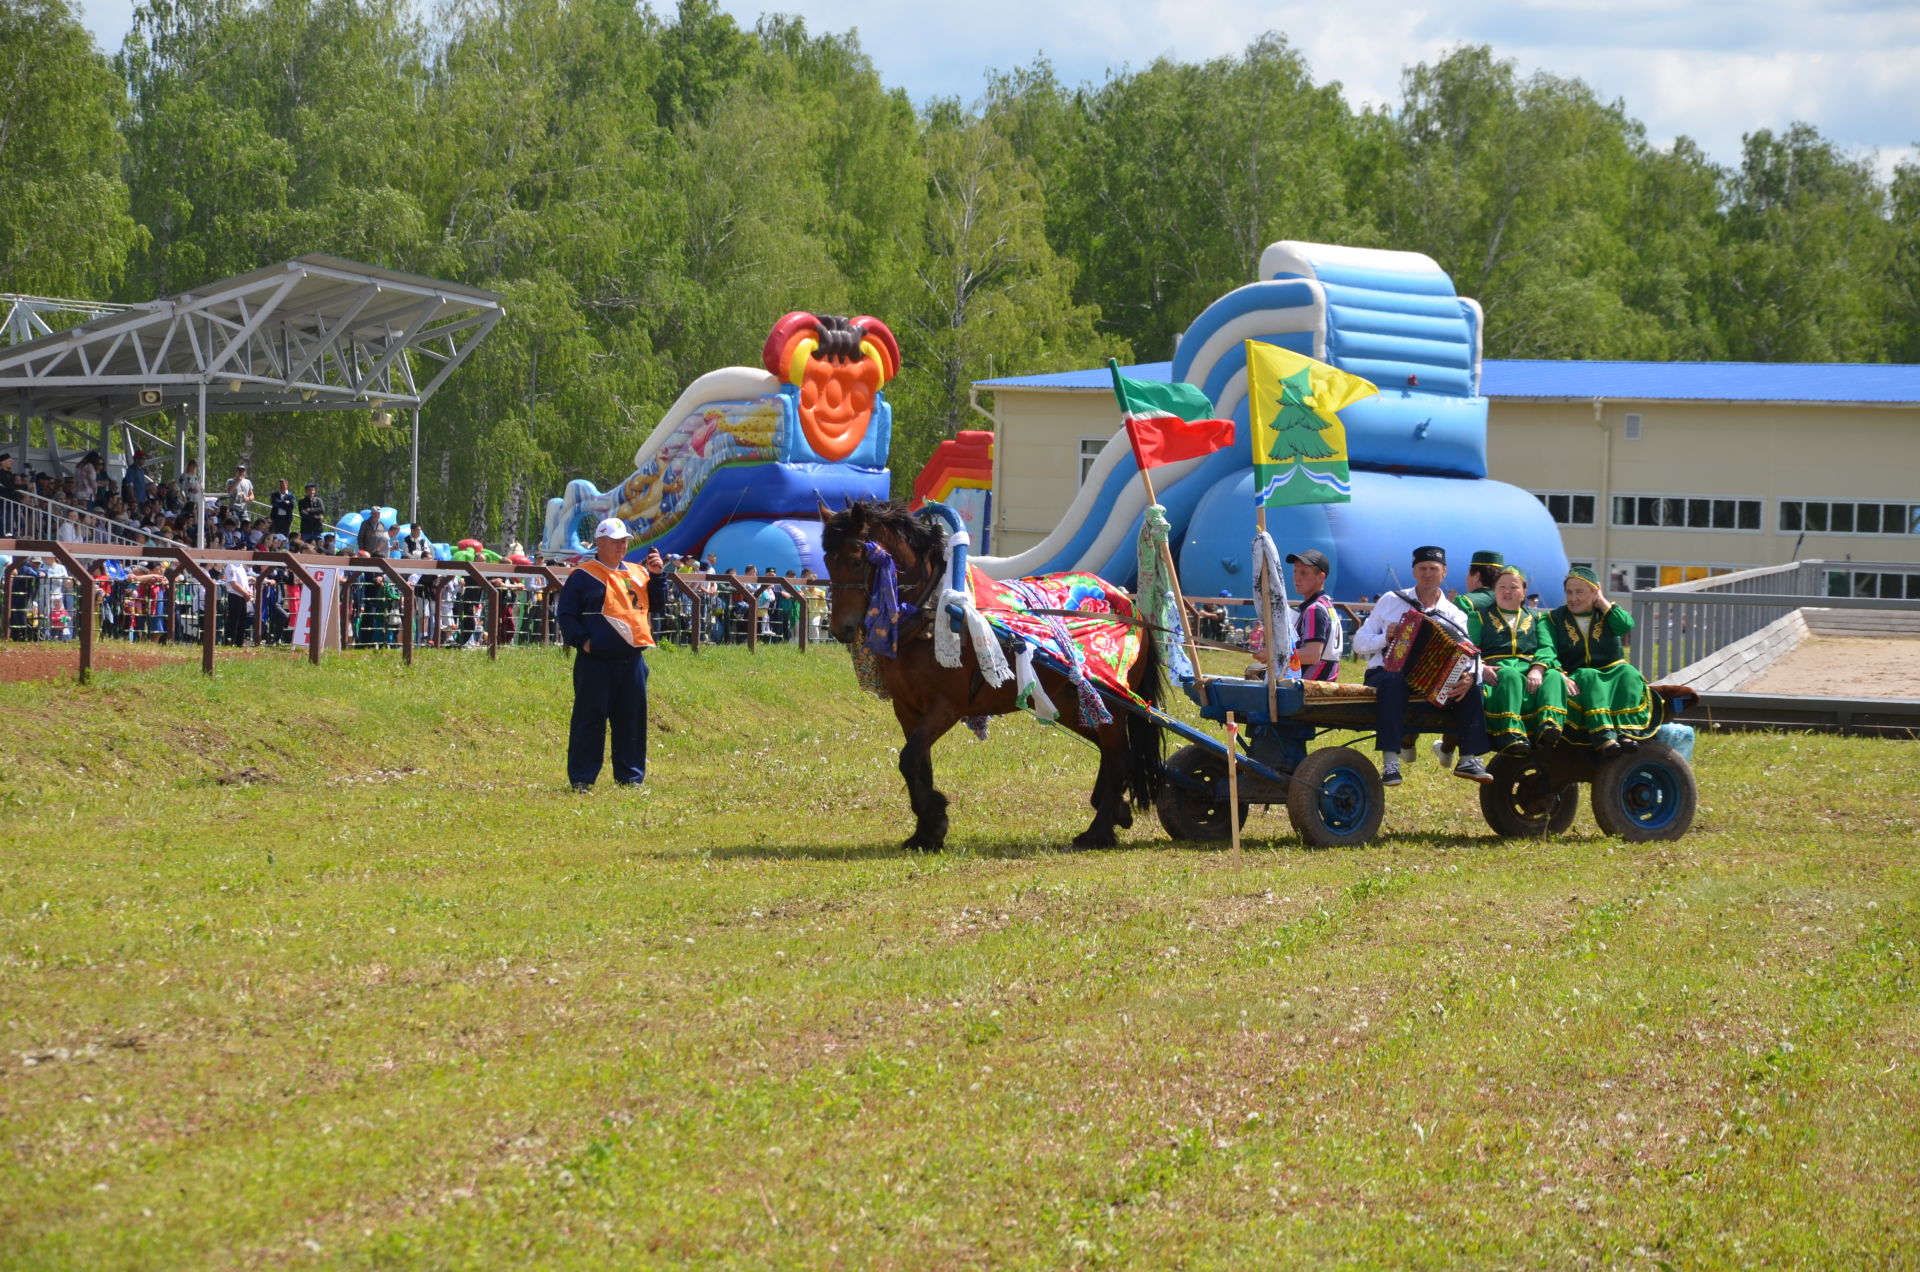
(865, 519)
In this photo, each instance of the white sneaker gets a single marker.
(1409, 754)
(1442, 754)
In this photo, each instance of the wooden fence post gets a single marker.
(89, 603)
(399, 581)
(211, 616)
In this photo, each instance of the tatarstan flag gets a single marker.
(1168, 422)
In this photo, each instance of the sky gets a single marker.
(1711, 70)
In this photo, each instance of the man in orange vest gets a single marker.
(604, 613)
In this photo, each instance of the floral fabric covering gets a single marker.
(1110, 647)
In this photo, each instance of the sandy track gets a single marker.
(1844, 667)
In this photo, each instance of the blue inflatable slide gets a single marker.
(1418, 450)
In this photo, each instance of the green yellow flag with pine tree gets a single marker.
(1299, 443)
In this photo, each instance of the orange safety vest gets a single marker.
(625, 608)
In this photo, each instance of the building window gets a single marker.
(1886, 587)
(1687, 512)
(1090, 448)
(1848, 516)
(1650, 574)
(1568, 507)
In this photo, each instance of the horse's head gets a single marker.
(843, 546)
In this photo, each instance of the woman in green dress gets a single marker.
(1611, 699)
(1526, 702)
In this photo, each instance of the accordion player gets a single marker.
(1437, 661)
(1415, 643)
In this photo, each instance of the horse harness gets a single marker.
(921, 598)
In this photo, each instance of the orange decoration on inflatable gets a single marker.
(838, 364)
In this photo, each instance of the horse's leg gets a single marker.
(1109, 798)
(1112, 782)
(923, 728)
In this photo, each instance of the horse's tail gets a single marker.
(1145, 740)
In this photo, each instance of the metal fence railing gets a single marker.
(1679, 625)
(29, 516)
(93, 594)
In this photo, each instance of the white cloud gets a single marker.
(1712, 71)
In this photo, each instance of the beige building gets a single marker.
(1658, 472)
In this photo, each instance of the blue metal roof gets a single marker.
(1097, 378)
(1704, 381)
(1620, 381)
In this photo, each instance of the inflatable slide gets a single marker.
(737, 465)
(1418, 450)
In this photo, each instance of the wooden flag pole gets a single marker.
(1266, 619)
(1233, 786)
(1173, 577)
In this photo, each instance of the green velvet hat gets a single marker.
(1486, 557)
(1585, 574)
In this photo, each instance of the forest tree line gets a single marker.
(651, 192)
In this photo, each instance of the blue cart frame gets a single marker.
(1333, 795)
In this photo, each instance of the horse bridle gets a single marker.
(913, 597)
(872, 569)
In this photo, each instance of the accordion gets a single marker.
(1435, 660)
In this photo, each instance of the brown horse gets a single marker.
(929, 699)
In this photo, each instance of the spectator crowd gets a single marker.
(159, 601)
(87, 505)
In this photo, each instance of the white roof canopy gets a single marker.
(311, 334)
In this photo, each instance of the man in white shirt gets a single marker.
(236, 593)
(1390, 687)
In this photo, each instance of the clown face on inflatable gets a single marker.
(738, 463)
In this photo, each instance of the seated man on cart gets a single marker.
(1319, 636)
(1428, 598)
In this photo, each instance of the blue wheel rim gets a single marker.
(1345, 802)
(1650, 795)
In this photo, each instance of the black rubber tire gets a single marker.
(1565, 811)
(1645, 795)
(1336, 799)
(1510, 802)
(1185, 814)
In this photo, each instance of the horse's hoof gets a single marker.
(1094, 839)
(922, 843)
(1125, 820)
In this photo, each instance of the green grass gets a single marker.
(322, 966)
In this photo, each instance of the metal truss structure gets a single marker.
(26, 316)
(315, 333)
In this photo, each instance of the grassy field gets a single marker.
(324, 967)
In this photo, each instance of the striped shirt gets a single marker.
(1317, 621)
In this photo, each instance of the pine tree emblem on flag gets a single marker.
(1299, 443)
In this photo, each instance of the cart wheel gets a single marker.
(1521, 802)
(1645, 795)
(1336, 798)
(1187, 814)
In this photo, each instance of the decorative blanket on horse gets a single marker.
(1098, 637)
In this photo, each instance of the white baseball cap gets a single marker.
(612, 528)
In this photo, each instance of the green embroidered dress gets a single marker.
(1513, 642)
(1610, 697)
